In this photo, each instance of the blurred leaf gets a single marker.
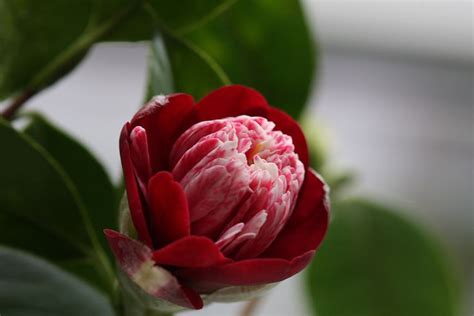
(264, 44)
(31, 286)
(373, 262)
(192, 70)
(87, 174)
(40, 41)
(179, 16)
(160, 75)
(339, 182)
(184, 15)
(318, 139)
(40, 208)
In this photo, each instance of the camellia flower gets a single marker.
(221, 200)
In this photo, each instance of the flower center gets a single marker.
(252, 152)
(241, 178)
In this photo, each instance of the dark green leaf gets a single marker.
(264, 44)
(40, 208)
(184, 15)
(86, 173)
(373, 262)
(179, 16)
(31, 286)
(40, 41)
(192, 70)
(160, 75)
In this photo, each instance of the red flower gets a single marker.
(220, 194)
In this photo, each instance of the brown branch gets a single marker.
(17, 103)
(250, 307)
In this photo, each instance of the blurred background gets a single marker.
(394, 95)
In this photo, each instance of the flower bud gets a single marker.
(221, 201)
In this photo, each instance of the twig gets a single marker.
(250, 307)
(17, 103)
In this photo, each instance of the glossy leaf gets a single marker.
(41, 210)
(178, 16)
(264, 44)
(160, 75)
(40, 41)
(87, 174)
(373, 262)
(31, 286)
(174, 63)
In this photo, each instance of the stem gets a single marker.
(250, 307)
(17, 103)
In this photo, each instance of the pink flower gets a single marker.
(220, 195)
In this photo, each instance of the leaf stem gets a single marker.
(17, 103)
(250, 307)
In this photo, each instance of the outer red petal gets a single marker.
(245, 272)
(168, 207)
(288, 125)
(133, 195)
(164, 123)
(307, 225)
(190, 252)
(134, 257)
(230, 101)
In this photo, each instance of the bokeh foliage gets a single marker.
(374, 262)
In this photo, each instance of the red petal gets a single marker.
(134, 257)
(169, 211)
(133, 194)
(245, 272)
(190, 252)
(307, 225)
(230, 101)
(164, 123)
(289, 126)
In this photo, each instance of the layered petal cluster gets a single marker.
(219, 195)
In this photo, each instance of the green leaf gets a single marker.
(41, 210)
(185, 15)
(178, 16)
(40, 41)
(160, 74)
(87, 174)
(264, 44)
(31, 286)
(373, 262)
(177, 65)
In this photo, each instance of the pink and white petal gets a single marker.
(229, 235)
(135, 261)
(190, 252)
(211, 182)
(133, 194)
(250, 231)
(307, 225)
(193, 135)
(192, 157)
(225, 185)
(289, 126)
